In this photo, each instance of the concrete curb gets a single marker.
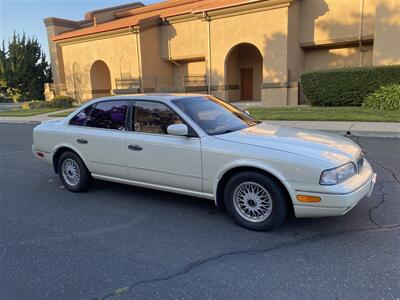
(19, 122)
(367, 129)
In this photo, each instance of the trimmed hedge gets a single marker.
(57, 102)
(62, 102)
(387, 97)
(348, 86)
(35, 104)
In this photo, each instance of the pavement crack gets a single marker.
(381, 184)
(194, 265)
(380, 190)
(394, 175)
(381, 202)
(379, 164)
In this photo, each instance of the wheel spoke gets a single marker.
(252, 201)
(71, 172)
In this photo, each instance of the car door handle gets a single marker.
(82, 141)
(135, 148)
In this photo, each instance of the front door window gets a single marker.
(153, 117)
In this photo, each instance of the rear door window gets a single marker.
(108, 115)
(80, 118)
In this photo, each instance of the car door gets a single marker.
(154, 157)
(99, 134)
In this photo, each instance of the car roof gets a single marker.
(162, 97)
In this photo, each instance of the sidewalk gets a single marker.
(36, 119)
(372, 129)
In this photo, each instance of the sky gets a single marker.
(27, 15)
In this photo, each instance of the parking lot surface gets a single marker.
(123, 242)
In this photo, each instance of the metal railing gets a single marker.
(195, 80)
(127, 83)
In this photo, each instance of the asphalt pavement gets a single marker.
(123, 242)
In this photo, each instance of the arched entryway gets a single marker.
(244, 73)
(100, 79)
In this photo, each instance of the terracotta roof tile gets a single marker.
(162, 10)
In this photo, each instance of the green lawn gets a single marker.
(307, 113)
(27, 112)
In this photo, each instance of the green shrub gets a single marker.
(387, 97)
(35, 104)
(57, 102)
(62, 102)
(347, 87)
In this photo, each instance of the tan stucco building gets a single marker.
(234, 49)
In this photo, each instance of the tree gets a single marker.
(23, 67)
(3, 83)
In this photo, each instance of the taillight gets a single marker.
(40, 154)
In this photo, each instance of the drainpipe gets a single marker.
(208, 19)
(139, 55)
(360, 32)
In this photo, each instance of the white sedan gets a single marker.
(201, 146)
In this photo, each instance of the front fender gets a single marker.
(252, 163)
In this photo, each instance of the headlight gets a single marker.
(338, 175)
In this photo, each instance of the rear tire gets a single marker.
(73, 172)
(255, 201)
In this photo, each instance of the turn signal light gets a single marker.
(304, 198)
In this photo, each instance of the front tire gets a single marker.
(255, 201)
(73, 172)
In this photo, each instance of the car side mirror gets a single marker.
(178, 129)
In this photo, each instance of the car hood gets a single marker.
(333, 149)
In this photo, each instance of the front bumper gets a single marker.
(336, 204)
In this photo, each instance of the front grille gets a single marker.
(360, 162)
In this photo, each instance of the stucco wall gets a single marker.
(56, 55)
(108, 49)
(244, 56)
(156, 72)
(309, 34)
(271, 41)
(187, 39)
(295, 52)
(387, 34)
(325, 20)
(197, 67)
(325, 58)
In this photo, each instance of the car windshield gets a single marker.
(215, 116)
